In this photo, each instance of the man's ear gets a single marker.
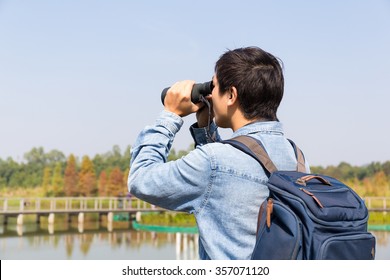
(232, 96)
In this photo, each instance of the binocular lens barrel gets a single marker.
(197, 91)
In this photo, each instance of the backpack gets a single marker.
(307, 216)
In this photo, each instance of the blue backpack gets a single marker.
(307, 216)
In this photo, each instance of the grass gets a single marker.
(168, 219)
(379, 218)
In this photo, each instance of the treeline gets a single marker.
(54, 174)
(368, 180)
(106, 174)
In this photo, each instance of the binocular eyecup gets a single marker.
(198, 90)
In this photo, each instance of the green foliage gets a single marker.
(70, 176)
(112, 159)
(173, 155)
(169, 219)
(46, 180)
(379, 218)
(57, 181)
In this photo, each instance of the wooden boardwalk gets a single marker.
(50, 206)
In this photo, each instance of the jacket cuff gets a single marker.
(201, 136)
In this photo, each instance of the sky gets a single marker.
(81, 76)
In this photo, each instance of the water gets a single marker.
(94, 241)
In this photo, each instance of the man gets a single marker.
(220, 185)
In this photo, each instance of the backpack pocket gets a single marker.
(352, 246)
(279, 235)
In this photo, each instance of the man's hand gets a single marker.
(178, 99)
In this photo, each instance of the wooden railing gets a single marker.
(70, 204)
(17, 207)
(377, 203)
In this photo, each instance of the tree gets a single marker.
(381, 183)
(126, 160)
(373, 168)
(115, 183)
(346, 171)
(102, 184)
(7, 168)
(53, 157)
(386, 168)
(99, 163)
(87, 178)
(36, 156)
(113, 158)
(33, 168)
(71, 177)
(126, 177)
(57, 180)
(46, 181)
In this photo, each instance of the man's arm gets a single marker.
(177, 185)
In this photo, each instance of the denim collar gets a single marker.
(268, 127)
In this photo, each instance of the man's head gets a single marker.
(257, 78)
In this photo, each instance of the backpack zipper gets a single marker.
(288, 195)
(313, 196)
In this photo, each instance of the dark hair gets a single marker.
(258, 78)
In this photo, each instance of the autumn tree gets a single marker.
(381, 183)
(115, 183)
(87, 178)
(102, 184)
(125, 177)
(71, 177)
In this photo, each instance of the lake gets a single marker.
(92, 241)
(95, 241)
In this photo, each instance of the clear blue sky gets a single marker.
(81, 76)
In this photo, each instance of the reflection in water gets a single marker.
(382, 238)
(94, 240)
(186, 246)
(19, 229)
(80, 227)
(382, 244)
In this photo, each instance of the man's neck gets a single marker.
(239, 122)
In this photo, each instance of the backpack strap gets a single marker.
(301, 167)
(255, 149)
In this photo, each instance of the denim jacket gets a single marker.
(220, 185)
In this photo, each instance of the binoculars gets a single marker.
(202, 89)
